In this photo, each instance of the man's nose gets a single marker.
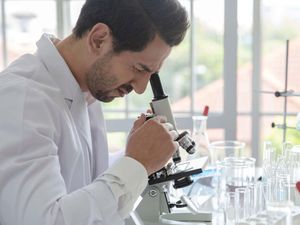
(139, 84)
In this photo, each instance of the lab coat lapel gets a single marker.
(100, 146)
(80, 115)
(72, 93)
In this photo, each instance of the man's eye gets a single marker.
(139, 70)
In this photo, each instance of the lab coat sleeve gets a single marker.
(124, 182)
(32, 189)
(127, 179)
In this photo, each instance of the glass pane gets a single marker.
(116, 141)
(208, 35)
(113, 114)
(272, 79)
(276, 134)
(175, 74)
(25, 22)
(118, 104)
(281, 22)
(244, 130)
(244, 70)
(75, 7)
(141, 102)
(293, 103)
(215, 134)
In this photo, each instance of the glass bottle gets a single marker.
(199, 135)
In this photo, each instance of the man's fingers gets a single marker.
(174, 134)
(168, 126)
(176, 145)
(161, 119)
(140, 120)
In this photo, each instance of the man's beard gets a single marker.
(104, 96)
(99, 82)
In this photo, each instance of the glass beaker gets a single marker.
(235, 173)
(222, 149)
(200, 137)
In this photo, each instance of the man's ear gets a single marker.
(99, 39)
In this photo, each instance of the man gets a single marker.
(53, 149)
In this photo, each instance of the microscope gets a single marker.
(156, 206)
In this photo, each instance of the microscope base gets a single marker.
(186, 218)
(174, 219)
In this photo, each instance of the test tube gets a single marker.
(230, 208)
(242, 204)
(259, 198)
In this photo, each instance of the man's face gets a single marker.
(115, 75)
(101, 81)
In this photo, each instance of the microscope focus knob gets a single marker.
(186, 142)
(182, 182)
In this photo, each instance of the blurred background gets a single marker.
(234, 50)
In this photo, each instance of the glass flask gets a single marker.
(200, 137)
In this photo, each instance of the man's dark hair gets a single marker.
(134, 23)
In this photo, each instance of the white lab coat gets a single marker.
(53, 150)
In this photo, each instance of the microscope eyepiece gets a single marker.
(156, 86)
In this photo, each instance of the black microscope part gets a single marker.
(156, 86)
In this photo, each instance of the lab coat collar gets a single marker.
(58, 69)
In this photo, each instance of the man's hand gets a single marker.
(152, 142)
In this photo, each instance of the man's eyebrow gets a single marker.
(146, 68)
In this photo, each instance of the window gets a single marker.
(25, 21)
(280, 22)
(233, 51)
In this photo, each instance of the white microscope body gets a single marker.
(155, 206)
